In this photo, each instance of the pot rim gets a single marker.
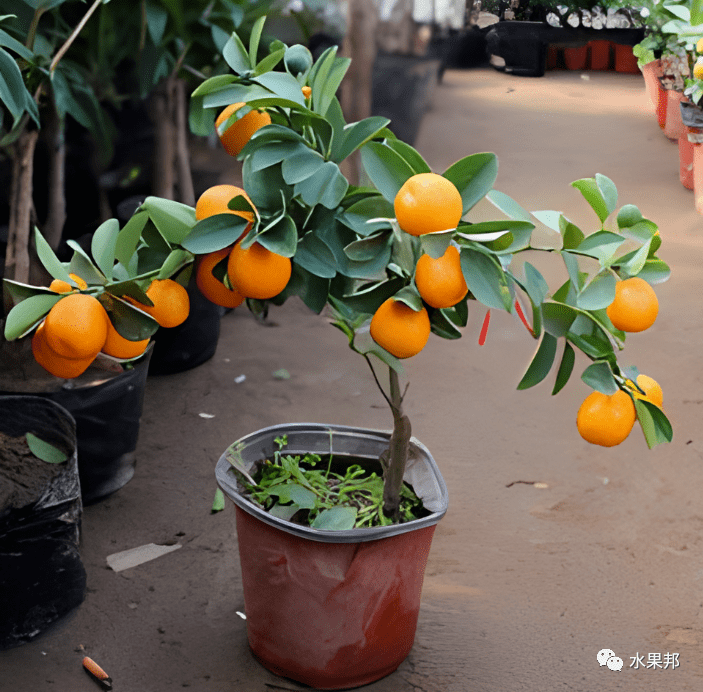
(421, 462)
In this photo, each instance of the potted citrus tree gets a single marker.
(335, 522)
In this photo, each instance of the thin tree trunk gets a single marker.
(56, 215)
(186, 194)
(17, 258)
(160, 111)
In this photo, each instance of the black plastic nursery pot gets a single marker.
(107, 415)
(42, 577)
(332, 609)
(521, 45)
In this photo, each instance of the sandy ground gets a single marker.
(524, 585)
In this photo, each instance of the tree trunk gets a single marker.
(397, 33)
(17, 258)
(186, 193)
(56, 215)
(356, 89)
(161, 113)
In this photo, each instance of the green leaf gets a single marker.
(443, 325)
(635, 264)
(214, 233)
(14, 45)
(254, 39)
(508, 206)
(436, 244)
(13, 92)
(655, 425)
(318, 80)
(174, 262)
(235, 55)
(572, 235)
(301, 164)
(628, 216)
(284, 512)
(359, 214)
(356, 135)
(103, 244)
(599, 376)
(411, 156)
(598, 293)
(280, 237)
(329, 88)
(294, 492)
(297, 59)
(541, 363)
(130, 288)
(696, 12)
(129, 321)
(473, 176)
(22, 318)
(213, 84)
(156, 18)
(410, 297)
(269, 62)
(654, 271)
(284, 85)
(602, 245)
(48, 258)
(367, 248)
(128, 238)
(82, 265)
(485, 279)
(558, 318)
(327, 186)
(313, 290)
(174, 220)
(387, 169)
(368, 299)
(680, 11)
(588, 187)
(314, 255)
(535, 285)
(264, 187)
(335, 519)
(273, 153)
(44, 450)
(565, 368)
(218, 502)
(608, 191)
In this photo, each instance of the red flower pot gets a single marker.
(600, 54)
(552, 58)
(662, 101)
(673, 125)
(697, 171)
(650, 72)
(332, 609)
(576, 58)
(686, 160)
(625, 60)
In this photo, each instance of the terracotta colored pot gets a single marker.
(698, 177)
(332, 609)
(685, 160)
(576, 58)
(600, 54)
(552, 58)
(650, 72)
(673, 126)
(662, 102)
(625, 60)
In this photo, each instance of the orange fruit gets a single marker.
(239, 133)
(119, 347)
(440, 281)
(635, 306)
(257, 272)
(59, 286)
(652, 390)
(307, 92)
(214, 201)
(54, 363)
(604, 419)
(427, 203)
(76, 326)
(211, 287)
(399, 329)
(171, 302)
(698, 66)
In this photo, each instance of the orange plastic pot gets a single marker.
(673, 125)
(599, 54)
(662, 103)
(650, 72)
(698, 177)
(332, 609)
(576, 58)
(686, 160)
(625, 59)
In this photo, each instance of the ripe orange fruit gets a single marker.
(604, 419)
(652, 390)
(76, 326)
(119, 347)
(399, 329)
(59, 286)
(171, 302)
(698, 66)
(257, 272)
(307, 92)
(427, 203)
(212, 288)
(440, 281)
(635, 306)
(52, 362)
(214, 201)
(239, 133)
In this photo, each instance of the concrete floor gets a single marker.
(524, 586)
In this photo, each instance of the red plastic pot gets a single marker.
(552, 58)
(673, 125)
(599, 54)
(650, 72)
(685, 160)
(662, 103)
(698, 176)
(576, 58)
(625, 59)
(332, 609)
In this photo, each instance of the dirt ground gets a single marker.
(524, 585)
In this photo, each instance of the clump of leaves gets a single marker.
(305, 490)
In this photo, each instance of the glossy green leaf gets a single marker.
(236, 93)
(572, 269)
(284, 85)
(599, 376)
(565, 368)
(174, 262)
(535, 284)
(301, 164)
(551, 219)
(436, 244)
(411, 155)
(280, 237)
(311, 289)
(82, 265)
(654, 271)
(44, 450)
(264, 187)
(129, 288)
(298, 60)
(593, 195)
(572, 235)
(410, 297)
(485, 279)
(635, 264)
(655, 425)
(274, 153)
(329, 89)
(357, 134)
(213, 84)
(23, 316)
(628, 216)
(129, 321)
(359, 215)
(13, 92)
(597, 294)
(156, 18)
(696, 12)
(340, 518)
(48, 258)
(541, 363)
(367, 248)
(254, 39)
(218, 502)
(327, 186)
(558, 318)
(314, 255)
(473, 176)
(174, 220)
(103, 244)
(608, 191)
(128, 238)
(442, 325)
(15, 46)
(269, 62)
(387, 169)
(602, 245)
(369, 298)
(508, 206)
(235, 55)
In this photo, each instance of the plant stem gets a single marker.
(73, 35)
(397, 451)
(31, 34)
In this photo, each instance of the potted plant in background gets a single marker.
(334, 514)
